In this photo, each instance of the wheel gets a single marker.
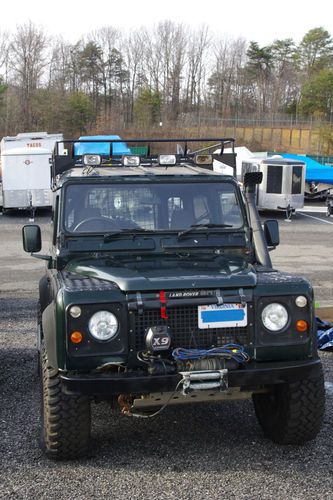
(39, 337)
(65, 431)
(292, 413)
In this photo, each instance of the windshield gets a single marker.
(153, 206)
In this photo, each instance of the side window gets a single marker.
(230, 209)
(143, 206)
(201, 209)
(70, 218)
(175, 205)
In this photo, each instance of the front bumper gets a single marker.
(251, 376)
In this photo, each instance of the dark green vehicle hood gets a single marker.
(161, 274)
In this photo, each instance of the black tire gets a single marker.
(292, 413)
(65, 426)
(39, 338)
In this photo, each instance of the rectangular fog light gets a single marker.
(167, 160)
(131, 161)
(203, 159)
(91, 160)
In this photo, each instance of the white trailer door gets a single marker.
(26, 178)
(26, 171)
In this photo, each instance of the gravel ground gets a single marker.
(206, 451)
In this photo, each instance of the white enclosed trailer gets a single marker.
(26, 176)
(283, 183)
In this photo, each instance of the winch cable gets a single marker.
(235, 352)
(151, 415)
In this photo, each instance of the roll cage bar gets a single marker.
(65, 160)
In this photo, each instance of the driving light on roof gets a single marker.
(167, 160)
(131, 161)
(91, 160)
(203, 159)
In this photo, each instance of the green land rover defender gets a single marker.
(160, 290)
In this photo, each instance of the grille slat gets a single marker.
(183, 322)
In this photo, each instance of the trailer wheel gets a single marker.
(65, 420)
(292, 413)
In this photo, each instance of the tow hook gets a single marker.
(204, 380)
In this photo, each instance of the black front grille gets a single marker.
(183, 322)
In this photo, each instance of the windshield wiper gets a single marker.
(193, 227)
(134, 230)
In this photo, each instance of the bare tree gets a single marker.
(27, 61)
(171, 44)
(59, 68)
(135, 46)
(198, 45)
(113, 71)
(226, 82)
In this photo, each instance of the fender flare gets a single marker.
(49, 334)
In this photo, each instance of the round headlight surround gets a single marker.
(275, 317)
(103, 325)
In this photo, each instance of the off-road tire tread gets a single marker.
(67, 419)
(39, 323)
(297, 414)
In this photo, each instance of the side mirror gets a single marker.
(32, 240)
(272, 233)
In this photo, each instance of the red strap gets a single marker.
(163, 305)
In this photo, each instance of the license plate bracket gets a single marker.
(222, 316)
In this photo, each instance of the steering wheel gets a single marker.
(110, 223)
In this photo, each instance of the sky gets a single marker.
(259, 20)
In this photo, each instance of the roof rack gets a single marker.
(66, 157)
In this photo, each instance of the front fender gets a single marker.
(50, 334)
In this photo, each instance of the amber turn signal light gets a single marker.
(301, 325)
(76, 337)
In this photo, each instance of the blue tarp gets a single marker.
(324, 335)
(315, 171)
(102, 148)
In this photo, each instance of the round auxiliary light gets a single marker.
(301, 301)
(274, 317)
(103, 325)
(301, 325)
(76, 337)
(75, 311)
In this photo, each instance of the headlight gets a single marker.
(103, 325)
(274, 317)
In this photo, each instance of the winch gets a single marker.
(204, 380)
